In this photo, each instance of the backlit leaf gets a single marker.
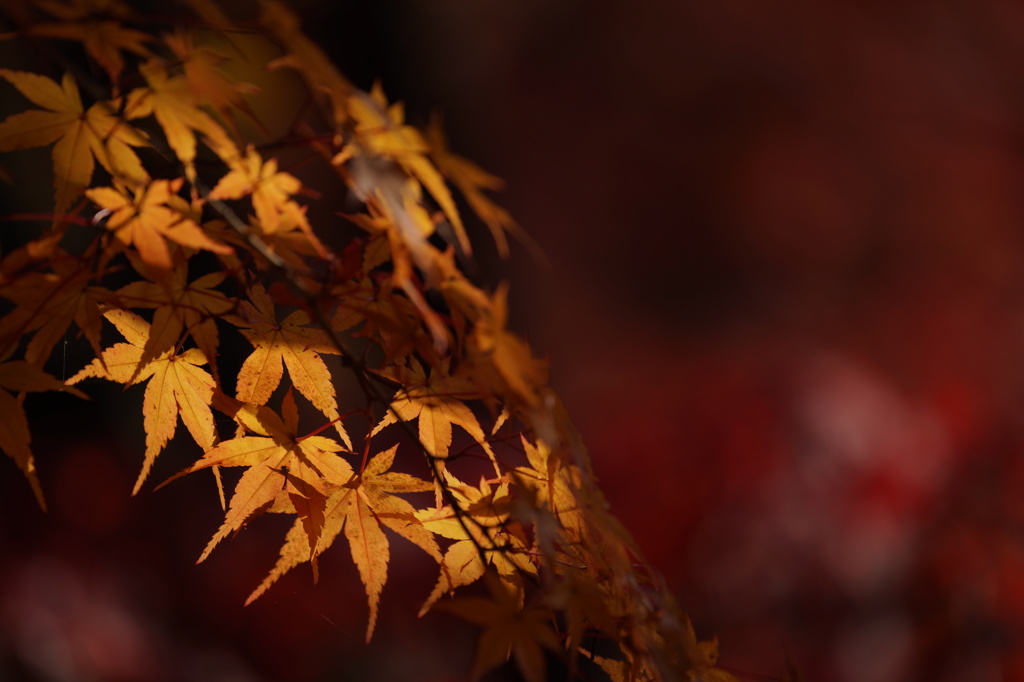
(144, 218)
(361, 507)
(289, 343)
(177, 386)
(81, 136)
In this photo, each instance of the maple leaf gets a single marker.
(381, 131)
(699, 661)
(436, 403)
(48, 302)
(209, 84)
(362, 506)
(289, 241)
(177, 386)
(282, 468)
(509, 630)
(553, 485)
(20, 376)
(271, 192)
(290, 344)
(32, 254)
(481, 538)
(181, 306)
(82, 137)
(470, 180)
(582, 602)
(172, 102)
(144, 219)
(397, 212)
(389, 317)
(103, 40)
(289, 244)
(502, 360)
(705, 664)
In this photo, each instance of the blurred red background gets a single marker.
(785, 307)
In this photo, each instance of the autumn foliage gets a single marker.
(175, 225)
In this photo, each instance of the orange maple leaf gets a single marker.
(290, 471)
(702, 658)
(396, 212)
(144, 219)
(20, 376)
(271, 192)
(177, 386)
(437, 403)
(361, 506)
(478, 528)
(290, 344)
(389, 317)
(81, 135)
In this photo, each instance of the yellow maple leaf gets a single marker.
(181, 306)
(142, 218)
(361, 506)
(381, 131)
(283, 468)
(177, 386)
(172, 102)
(271, 191)
(289, 343)
(481, 538)
(81, 136)
(20, 376)
(437, 403)
(553, 485)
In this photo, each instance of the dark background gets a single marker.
(784, 307)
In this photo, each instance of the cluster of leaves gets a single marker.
(179, 187)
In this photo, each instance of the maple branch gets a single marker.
(323, 427)
(404, 179)
(371, 391)
(363, 376)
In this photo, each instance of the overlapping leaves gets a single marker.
(427, 349)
